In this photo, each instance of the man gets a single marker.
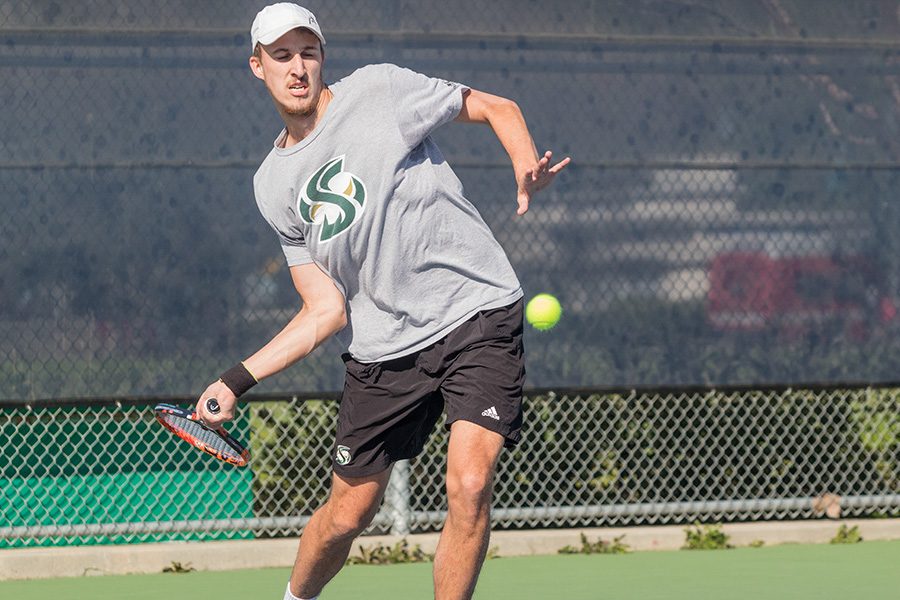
(386, 252)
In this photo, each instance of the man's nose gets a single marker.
(297, 65)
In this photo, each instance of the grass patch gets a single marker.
(379, 554)
(616, 546)
(847, 535)
(177, 567)
(705, 537)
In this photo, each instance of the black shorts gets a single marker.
(388, 409)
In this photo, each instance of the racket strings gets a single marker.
(194, 431)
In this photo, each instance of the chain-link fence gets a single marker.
(107, 473)
(729, 217)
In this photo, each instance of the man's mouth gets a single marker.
(298, 88)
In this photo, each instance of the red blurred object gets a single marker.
(754, 291)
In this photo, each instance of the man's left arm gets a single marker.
(533, 172)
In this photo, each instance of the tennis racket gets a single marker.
(186, 424)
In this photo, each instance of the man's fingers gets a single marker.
(537, 178)
(543, 166)
(529, 175)
(205, 417)
(211, 420)
(560, 165)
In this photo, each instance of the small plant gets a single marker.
(705, 537)
(757, 544)
(177, 567)
(386, 555)
(616, 546)
(847, 535)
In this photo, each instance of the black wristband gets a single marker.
(238, 379)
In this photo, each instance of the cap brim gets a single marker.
(270, 36)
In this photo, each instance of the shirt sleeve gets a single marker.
(295, 254)
(293, 242)
(422, 104)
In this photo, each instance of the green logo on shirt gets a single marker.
(331, 198)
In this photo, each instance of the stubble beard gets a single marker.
(301, 111)
(306, 108)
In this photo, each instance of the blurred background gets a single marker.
(728, 219)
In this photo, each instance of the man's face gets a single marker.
(291, 68)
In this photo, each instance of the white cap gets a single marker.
(275, 20)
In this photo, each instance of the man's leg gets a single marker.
(471, 460)
(329, 535)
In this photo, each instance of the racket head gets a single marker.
(217, 442)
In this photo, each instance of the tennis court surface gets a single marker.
(822, 572)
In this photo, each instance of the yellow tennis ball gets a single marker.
(543, 311)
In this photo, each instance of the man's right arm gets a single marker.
(321, 316)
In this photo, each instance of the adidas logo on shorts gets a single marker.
(492, 413)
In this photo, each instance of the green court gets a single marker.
(818, 572)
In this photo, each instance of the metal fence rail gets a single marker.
(106, 473)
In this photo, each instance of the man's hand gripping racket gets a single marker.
(192, 428)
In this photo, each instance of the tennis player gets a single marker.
(386, 252)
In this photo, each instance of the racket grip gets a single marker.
(212, 405)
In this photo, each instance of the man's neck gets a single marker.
(300, 126)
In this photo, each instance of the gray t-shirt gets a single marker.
(369, 198)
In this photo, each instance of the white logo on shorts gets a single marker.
(492, 413)
(343, 456)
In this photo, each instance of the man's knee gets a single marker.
(347, 519)
(471, 464)
(353, 504)
(469, 490)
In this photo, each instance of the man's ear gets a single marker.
(256, 67)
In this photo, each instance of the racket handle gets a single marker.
(212, 405)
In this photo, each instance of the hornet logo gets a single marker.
(343, 456)
(331, 198)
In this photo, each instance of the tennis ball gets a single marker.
(543, 311)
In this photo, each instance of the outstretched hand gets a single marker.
(537, 178)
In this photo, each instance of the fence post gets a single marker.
(397, 498)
